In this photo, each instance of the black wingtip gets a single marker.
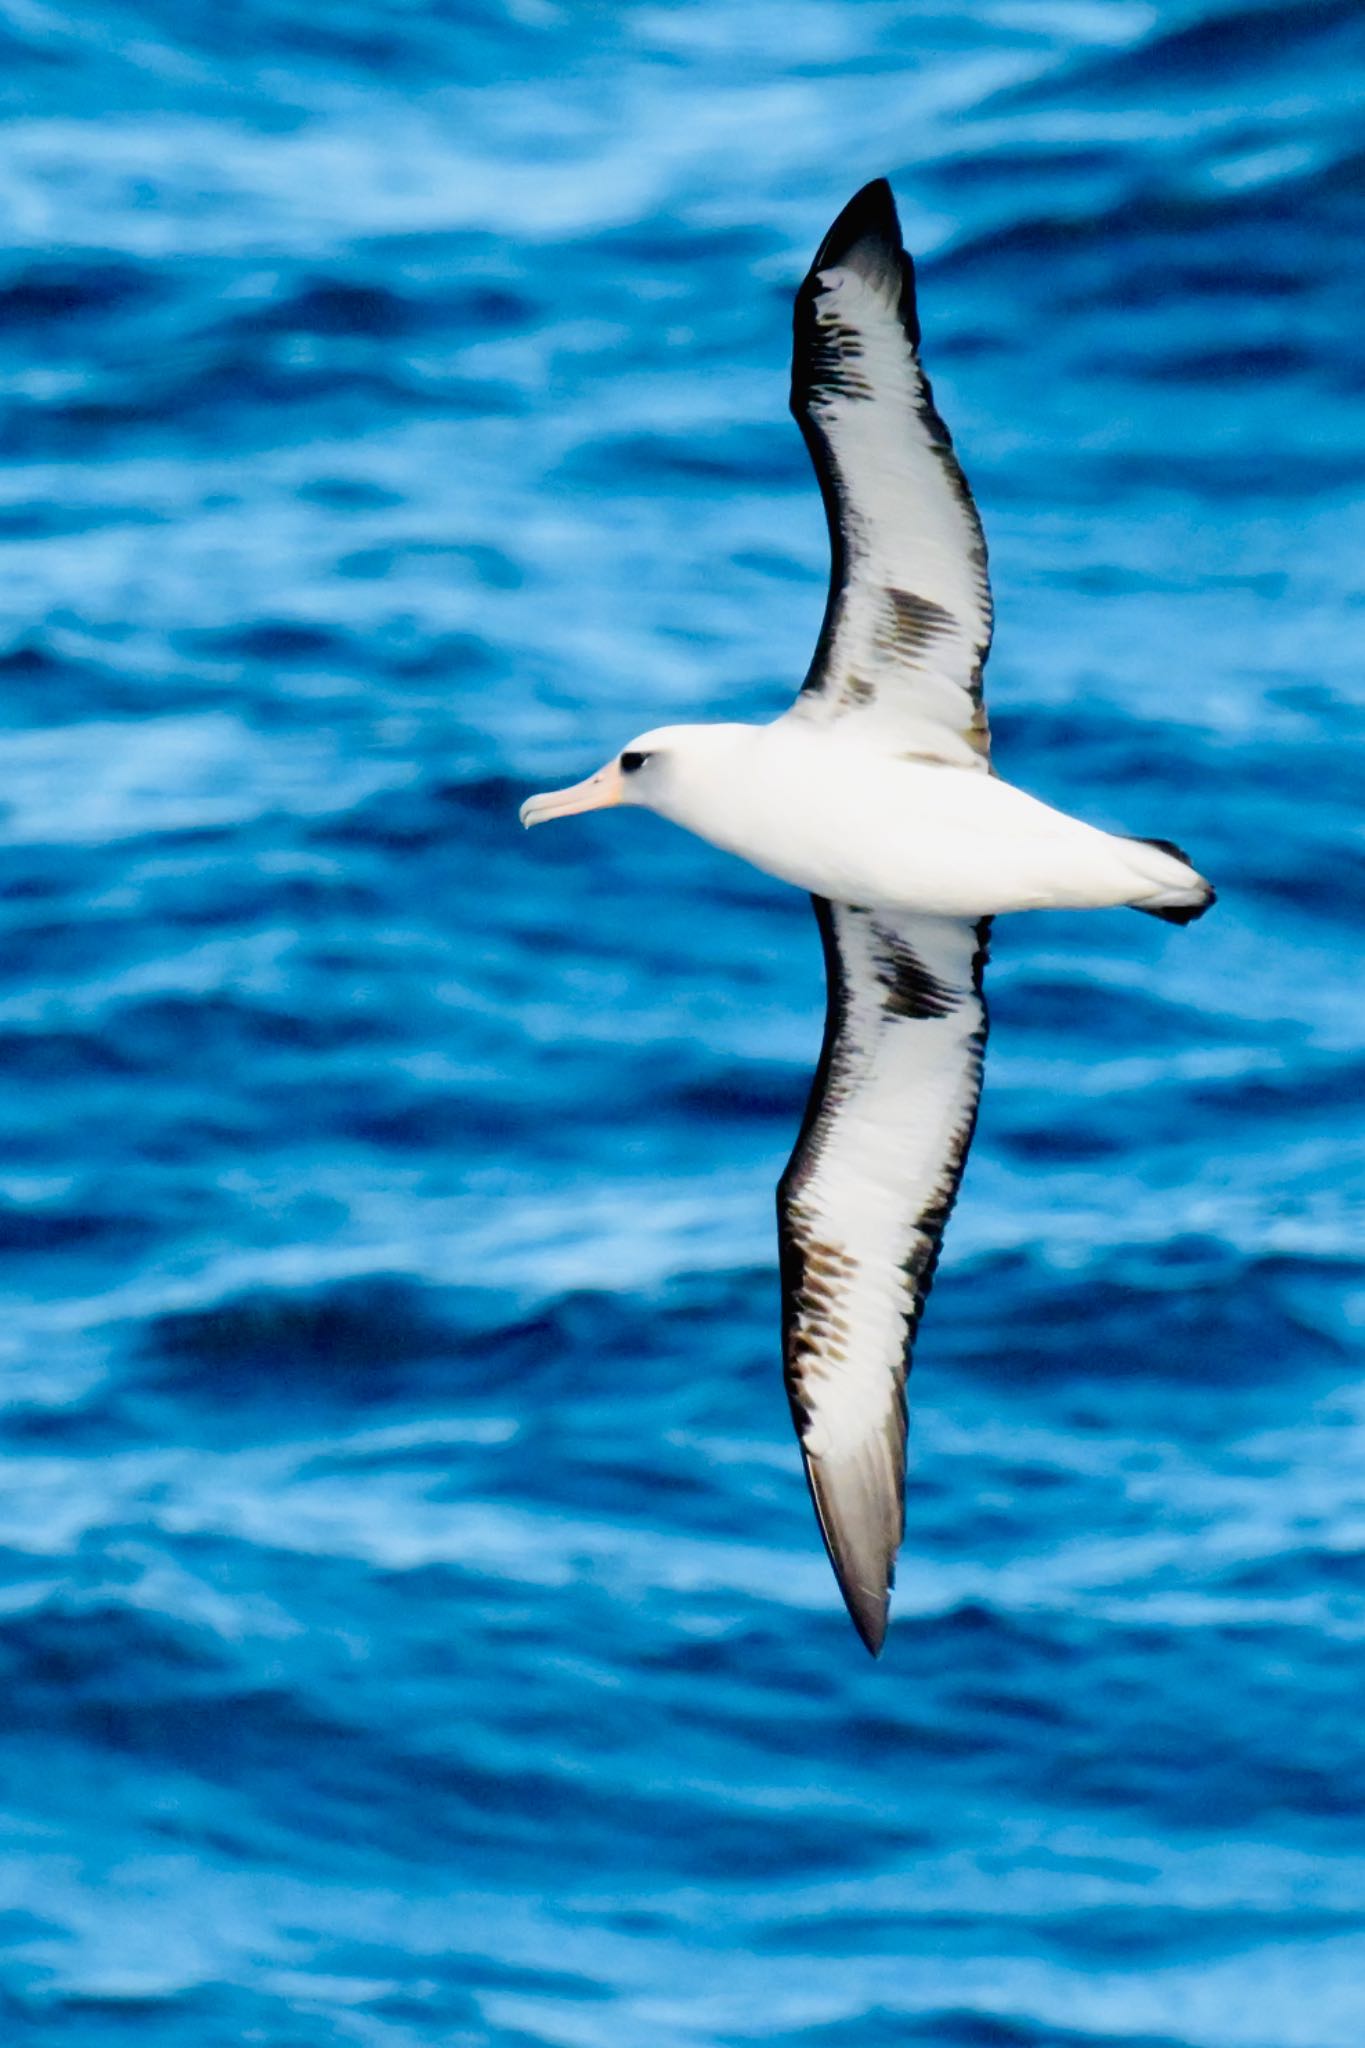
(871, 1627)
(870, 216)
(869, 1606)
(869, 1611)
(863, 1554)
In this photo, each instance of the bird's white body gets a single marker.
(875, 793)
(824, 809)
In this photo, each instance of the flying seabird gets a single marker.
(875, 792)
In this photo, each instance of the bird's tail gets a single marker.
(1180, 893)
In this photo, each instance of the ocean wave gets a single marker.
(413, 1621)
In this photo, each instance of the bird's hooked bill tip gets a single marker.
(595, 794)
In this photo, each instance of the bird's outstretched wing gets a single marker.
(908, 622)
(861, 1209)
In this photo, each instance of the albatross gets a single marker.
(875, 791)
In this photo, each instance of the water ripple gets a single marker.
(412, 1624)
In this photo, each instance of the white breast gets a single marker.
(855, 825)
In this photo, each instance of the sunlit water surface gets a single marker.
(414, 1628)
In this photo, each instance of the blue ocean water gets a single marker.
(414, 1628)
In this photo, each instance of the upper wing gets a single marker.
(861, 1209)
(908, 622)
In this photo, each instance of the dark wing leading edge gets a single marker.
(861, 1210)
(908, 623)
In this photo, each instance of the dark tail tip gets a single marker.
(1179, 913)
(1175, 913)
(1167, 846)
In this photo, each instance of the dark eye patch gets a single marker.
(630, 762)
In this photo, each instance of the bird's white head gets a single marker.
(672, 770)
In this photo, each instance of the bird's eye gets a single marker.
(630, 762)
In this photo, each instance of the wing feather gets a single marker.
(907, 624)
(861, 1213)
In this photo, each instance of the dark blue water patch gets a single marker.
(1238, 473)
(1170, 233)
(60, 294)
(1281, 1097)
(232, 1754)
(50, 1230)
(404, 1118)
(1339, 183)
(36, 520)
(545, 1350)
(953, 2027)
(223, 1029)
(1209, 1323)
(64, 1057)
(454, 660)
(1315, 878)
(1045, 1002)
(1127, 763)
(358, 1339)
(429, 289)
(248, 373)
(1224, 366)
(215, 393)
(1078, 1127)
(216, 2015)
(700, 457)
(369, 40)
(334, 305)
(1241, 43)
(42, 684)
(1182, 1760)
(1040, 164)
(1138, 1721)
(1340, 1574)
(767, 1095)
(247, 889)
(1120, 1936)
(1051, 1140)
(356, 496)
(426, 816)
(274, 641)
(383, 1793)
(360, 1342)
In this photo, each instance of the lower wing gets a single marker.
(861, 1211)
